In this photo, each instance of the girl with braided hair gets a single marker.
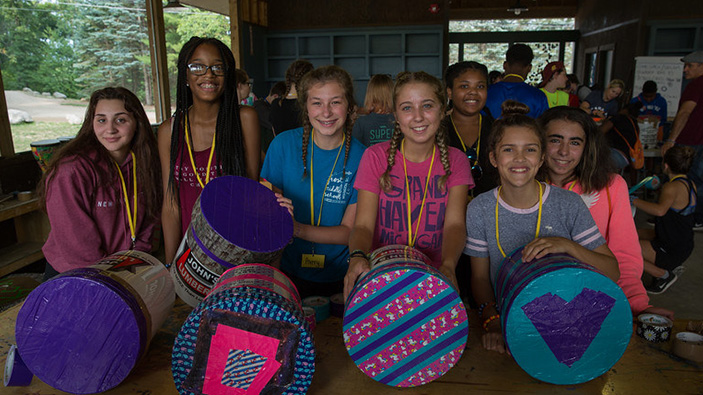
(209, 132)
(285, 111)
(412, 189)
(312, 169)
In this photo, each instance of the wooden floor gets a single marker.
(645, 368)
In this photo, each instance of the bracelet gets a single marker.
(669, 141)
(483, 306)
(358, 253)
(488, 321)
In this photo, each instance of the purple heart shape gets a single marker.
(568, 328)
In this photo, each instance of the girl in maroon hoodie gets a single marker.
(103, 189)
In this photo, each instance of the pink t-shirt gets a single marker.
(392, 216)
(615, 222)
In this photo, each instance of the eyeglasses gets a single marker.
(476, 170)
(250, 83)
(201, 69)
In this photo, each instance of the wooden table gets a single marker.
(645, 368)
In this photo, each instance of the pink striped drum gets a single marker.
(404, 323)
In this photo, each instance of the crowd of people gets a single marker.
(465, 170)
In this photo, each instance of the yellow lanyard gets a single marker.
(539, 216)
(514, 75)
(322, 199)
(132, 219)
(192, 161)
(411, 239)
(478, 141)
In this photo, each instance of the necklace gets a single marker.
(539, 216)
(192, 161)
(322, 200)
(516, 76)
(478, 141)
(411, 239)
(131, 218)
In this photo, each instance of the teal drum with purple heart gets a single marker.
(563, 321)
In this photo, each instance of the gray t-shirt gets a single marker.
(374, 128)
(563, 215)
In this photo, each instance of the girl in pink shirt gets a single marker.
(577, 158)
(415, 168)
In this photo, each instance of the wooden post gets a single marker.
(7, 149)
(159, 65)
(235, 35)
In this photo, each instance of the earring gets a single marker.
(188, 85)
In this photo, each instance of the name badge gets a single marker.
(316, 261)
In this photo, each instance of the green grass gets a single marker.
(25, 133)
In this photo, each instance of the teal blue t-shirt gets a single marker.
(283, 168)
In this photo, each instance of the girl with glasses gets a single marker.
(578, 159)
(244, 89)
(208, 136)
(413, 188)
(102, 189)
(312, 170)
(524, 212)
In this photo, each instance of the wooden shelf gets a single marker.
(19, 255)
(15, 208)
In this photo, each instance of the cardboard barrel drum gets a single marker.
(84, 330)
(404, 323)
(235, 220)
(43, 150)
(563, 321)
(246, 337)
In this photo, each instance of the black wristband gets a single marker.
(358, 253)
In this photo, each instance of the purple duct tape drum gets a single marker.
(563, 321)
(43, 150)
(250, 347)
(235, 220)
(95, 322)
(405, 326)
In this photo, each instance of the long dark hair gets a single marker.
(595, 168)
(143, 145)
(229, 143)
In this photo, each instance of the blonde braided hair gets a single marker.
(403, 79)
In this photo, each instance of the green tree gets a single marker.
(33, 51)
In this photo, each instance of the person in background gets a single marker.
(517, 65)
(670, 243)
(554, 79)
(600, 104)
(413, 172)
(467, 130)
(244, 94)
(653, 104)
(572, 88)
(312, 170)
(102, 190)
(687, 128)
(494, 76)
(209, 132)
(577, 158)
(285, 112)
(622, 132)
(378, 123)
(263, 110)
